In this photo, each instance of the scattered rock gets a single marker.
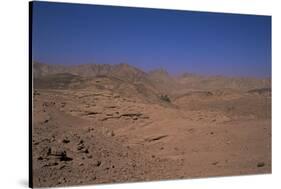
(49, 152)
(134, 164)
(110, 117)
(89, 156)
(97, 163)
(36, 93)
(260, 164)
(132, 115)
(191, 130)
(215, 163)
(62, 156)
(90, 129)
(112, 133)
(80, 147)
(92, 113)
(155, 138)
(62, 180)
(51, 164)
(63, 104)
(86, 151)
(66, 140)
(61, 167)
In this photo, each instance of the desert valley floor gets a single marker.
(109, 124)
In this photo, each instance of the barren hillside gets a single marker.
(117, 123)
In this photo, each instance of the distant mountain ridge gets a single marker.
(159, 79)
(87, 70)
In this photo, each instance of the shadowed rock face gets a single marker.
(115, 123)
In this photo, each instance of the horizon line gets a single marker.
(159, 69)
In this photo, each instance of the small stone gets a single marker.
(65, 140)
(81, 142)
(215, 163)
(112, 133)
(86, 151)
(64, 157)
(261, 164)
(49, 151)
(80, 147)
(63, 166)
(89, 156)
(97, 163)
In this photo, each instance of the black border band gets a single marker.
(30, 172)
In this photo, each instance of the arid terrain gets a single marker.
(101, 123)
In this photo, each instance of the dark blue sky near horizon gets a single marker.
(177, 41)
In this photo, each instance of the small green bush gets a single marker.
(165, 98)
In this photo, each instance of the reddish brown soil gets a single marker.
(98, 135)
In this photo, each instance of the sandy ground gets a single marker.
(89, 136)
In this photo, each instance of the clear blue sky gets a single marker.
(178, 41)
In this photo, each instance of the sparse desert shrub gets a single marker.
(165, 98)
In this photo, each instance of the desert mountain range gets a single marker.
(101, 123)
(157, 80)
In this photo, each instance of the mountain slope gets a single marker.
(159, 81)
